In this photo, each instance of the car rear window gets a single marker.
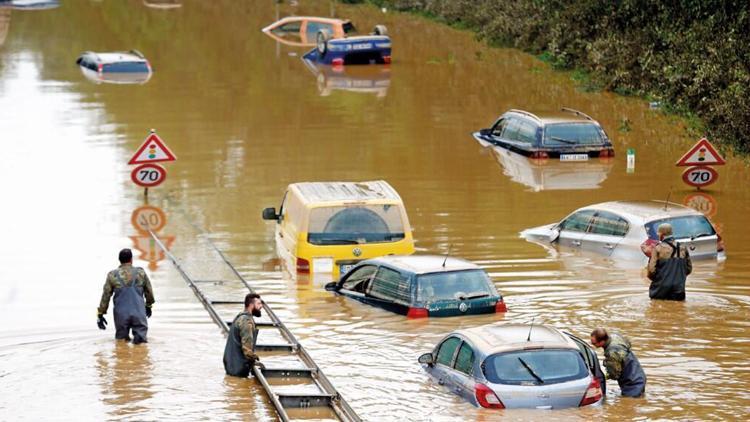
(125, 67)
(454, 285)
(571, 134)
(352, 225)
(683, 227)
(538, 367)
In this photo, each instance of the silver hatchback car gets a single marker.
(627, 229)
(517, 366)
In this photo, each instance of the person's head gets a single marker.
(664, 230)
(253, 304)
(599, 337)
(126, 256)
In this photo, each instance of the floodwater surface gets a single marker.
(245, 117)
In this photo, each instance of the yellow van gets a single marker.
(327, 227)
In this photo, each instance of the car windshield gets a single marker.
(538, 367)
(344, 225)
(683, 227)
(454, 285)
(562, 134)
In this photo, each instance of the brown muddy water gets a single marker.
(246, 117)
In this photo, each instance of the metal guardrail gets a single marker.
(282, 402)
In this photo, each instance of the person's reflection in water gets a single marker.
(126, 379)
(242, 395)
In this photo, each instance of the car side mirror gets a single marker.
(270, 214)
(332, 286)
(554, 234)
(427, 359)
(485, 132)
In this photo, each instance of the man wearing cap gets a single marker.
(129, 284)
(668, 267)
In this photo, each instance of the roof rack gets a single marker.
(525, 113)
(576, 112)
(137, 53)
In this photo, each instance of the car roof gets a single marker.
(117, 56)
(497, 338)
(345, 191)
(334, 21)
(564, 115)
(645, 210)
(425, 264)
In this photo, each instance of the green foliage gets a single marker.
(692, 54)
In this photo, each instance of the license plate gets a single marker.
(365, 46)
(574, 157)
(345, 268)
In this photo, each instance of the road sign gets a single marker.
(149, 250)
(148, 217)
(152, 150)
(701, 154)
(699, 176)
(148, 175)
(701, 202)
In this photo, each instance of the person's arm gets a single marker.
(106, 295)
(246, 334)
(613, 361)
(148, 291)
(651, 267)
(688, 263)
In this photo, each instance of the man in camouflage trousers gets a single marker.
(129, 285)
(668, 267)
(239, 353)
(620, 362)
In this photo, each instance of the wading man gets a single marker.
(668, 267)
(620, 362)
(239, 353)
(129, 285)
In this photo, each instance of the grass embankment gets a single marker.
(692, 56)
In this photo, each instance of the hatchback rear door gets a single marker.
(692, 231)
(591, 359)
(606, 231)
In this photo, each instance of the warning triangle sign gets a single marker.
(152, 150)
(702, 153)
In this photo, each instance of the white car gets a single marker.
(627, 229)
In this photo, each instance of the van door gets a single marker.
(573, 228)
(286, 232)
(606, 231)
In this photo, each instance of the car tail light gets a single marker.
(606, 153)
(149, 66)
(337, 62)
(593, 393)
(539, 155)
(387, 59)
(303, 266)
(100, 67)
(417, 313)
(648, 246)
(719, 243)
(486, 397)
(500, 306)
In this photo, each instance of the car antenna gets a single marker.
(448, 254)
(666, 201)
(528, 338)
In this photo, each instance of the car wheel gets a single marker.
(380, 30)
(322, 42)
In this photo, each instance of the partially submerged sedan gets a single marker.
(121, 67)
(627, 229)
(421, 286)
(517, 366)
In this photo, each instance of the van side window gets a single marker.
(357, 281)
(610, 224)
(391, 285)
(577, 222)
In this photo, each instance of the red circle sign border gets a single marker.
(136, 213)
(686, 179)
(162, 171)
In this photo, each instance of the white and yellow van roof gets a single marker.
(336, 192)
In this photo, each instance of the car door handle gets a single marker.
(608, 246)
(441, 381)
(576, 242)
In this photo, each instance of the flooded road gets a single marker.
(246, 117)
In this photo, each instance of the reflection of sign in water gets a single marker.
(148, 175)
(149, 250)
(699, 176)
(148, 217)
(701, 202)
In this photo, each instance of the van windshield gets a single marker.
(683, 227)
(540, 366)
(454, 285)
(355, 224)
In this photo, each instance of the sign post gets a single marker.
(152, 150)
(699, 158)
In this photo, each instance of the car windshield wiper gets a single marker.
(531, 371)
(473, 296)
(338, 242)
(700, 235)
(567, 141)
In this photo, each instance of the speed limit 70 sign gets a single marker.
(148, 175)
(700, 176)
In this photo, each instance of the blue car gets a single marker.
(421, 286)
(365, 49)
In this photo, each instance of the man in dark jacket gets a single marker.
(620, 362)
(668, 267)
(239, 353)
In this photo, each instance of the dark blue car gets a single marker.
(366, 49)
(421, 286)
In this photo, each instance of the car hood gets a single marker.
(540, 232)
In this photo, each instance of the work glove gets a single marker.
(101, 322)
(259, 365)
(148, 312)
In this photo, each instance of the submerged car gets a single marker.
(365, 49)
(421, 286)
(30, 4)
(627, 229)
(568, 135)
(302, 31)
(118, 67)
(517, 366)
